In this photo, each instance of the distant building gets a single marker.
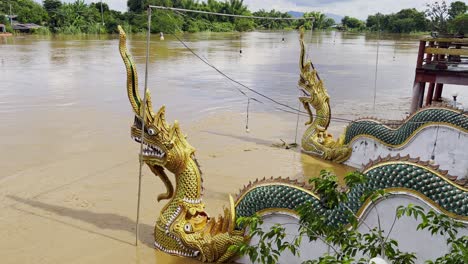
(21, 27)
(25, 28)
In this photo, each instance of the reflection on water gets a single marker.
(312, 167)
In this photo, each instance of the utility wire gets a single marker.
(292, 109)
(229, 15)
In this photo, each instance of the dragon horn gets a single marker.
(132, 79)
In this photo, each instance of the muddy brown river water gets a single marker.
(68, 173)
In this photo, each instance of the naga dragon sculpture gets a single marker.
(316, 140)
(185, 229)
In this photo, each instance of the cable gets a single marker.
(232, 80)
(229, 15)
(376, 68)
(294, 110)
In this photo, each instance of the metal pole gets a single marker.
(11, 19)
(376, 68)
(143, 115)
(297, 121)
(102, 14)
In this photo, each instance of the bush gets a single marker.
(244, 24)
(346, 243)
(222, 27)
(41, 31)
(460, 24)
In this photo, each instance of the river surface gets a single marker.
(69, 168)
(42, 76)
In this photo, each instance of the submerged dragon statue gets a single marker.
(316, 140)
(389, 137)
(185, 229)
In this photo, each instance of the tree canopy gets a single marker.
(405, 21)
(79, 17)
(457, 8)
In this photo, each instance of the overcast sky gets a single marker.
(356, 8)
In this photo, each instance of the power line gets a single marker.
(292, 110)
(229, 15)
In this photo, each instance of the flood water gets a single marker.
(65, 119)
(42, 76)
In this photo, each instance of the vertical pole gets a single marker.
(415, 97)
(102, 14)
(297, 121)
(247, 118)
(11, 19)
(430, 94)
(422, 87)
(422, 46)
(376, 69)
(438, 92)
(143, 115)
(429, 55)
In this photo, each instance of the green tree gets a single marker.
(459, 24)
(353, 23)
(457, 8)
(405, 21)
(318, 19)
(78, 18)
(136, 6)
(52, 7)
(438, 14)
(272, 24)
(345, 242)
(377, 22)
(28, 11)
(328, 22)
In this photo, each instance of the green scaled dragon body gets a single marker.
(396, 135)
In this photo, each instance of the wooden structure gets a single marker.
(25, 28)
(440, 61)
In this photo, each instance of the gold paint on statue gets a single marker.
(316, 140)
(183, 227)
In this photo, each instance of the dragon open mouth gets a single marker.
(150, 150)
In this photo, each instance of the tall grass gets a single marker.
(41, 31)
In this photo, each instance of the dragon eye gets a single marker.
(151, 132)
(188, 228)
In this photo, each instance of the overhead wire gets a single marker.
(292, 110)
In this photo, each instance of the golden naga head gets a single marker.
(164, 145)
(309, 80)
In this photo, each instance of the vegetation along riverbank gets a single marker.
(78, 17)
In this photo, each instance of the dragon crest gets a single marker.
(183, 227)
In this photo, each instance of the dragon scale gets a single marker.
(392, 174)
